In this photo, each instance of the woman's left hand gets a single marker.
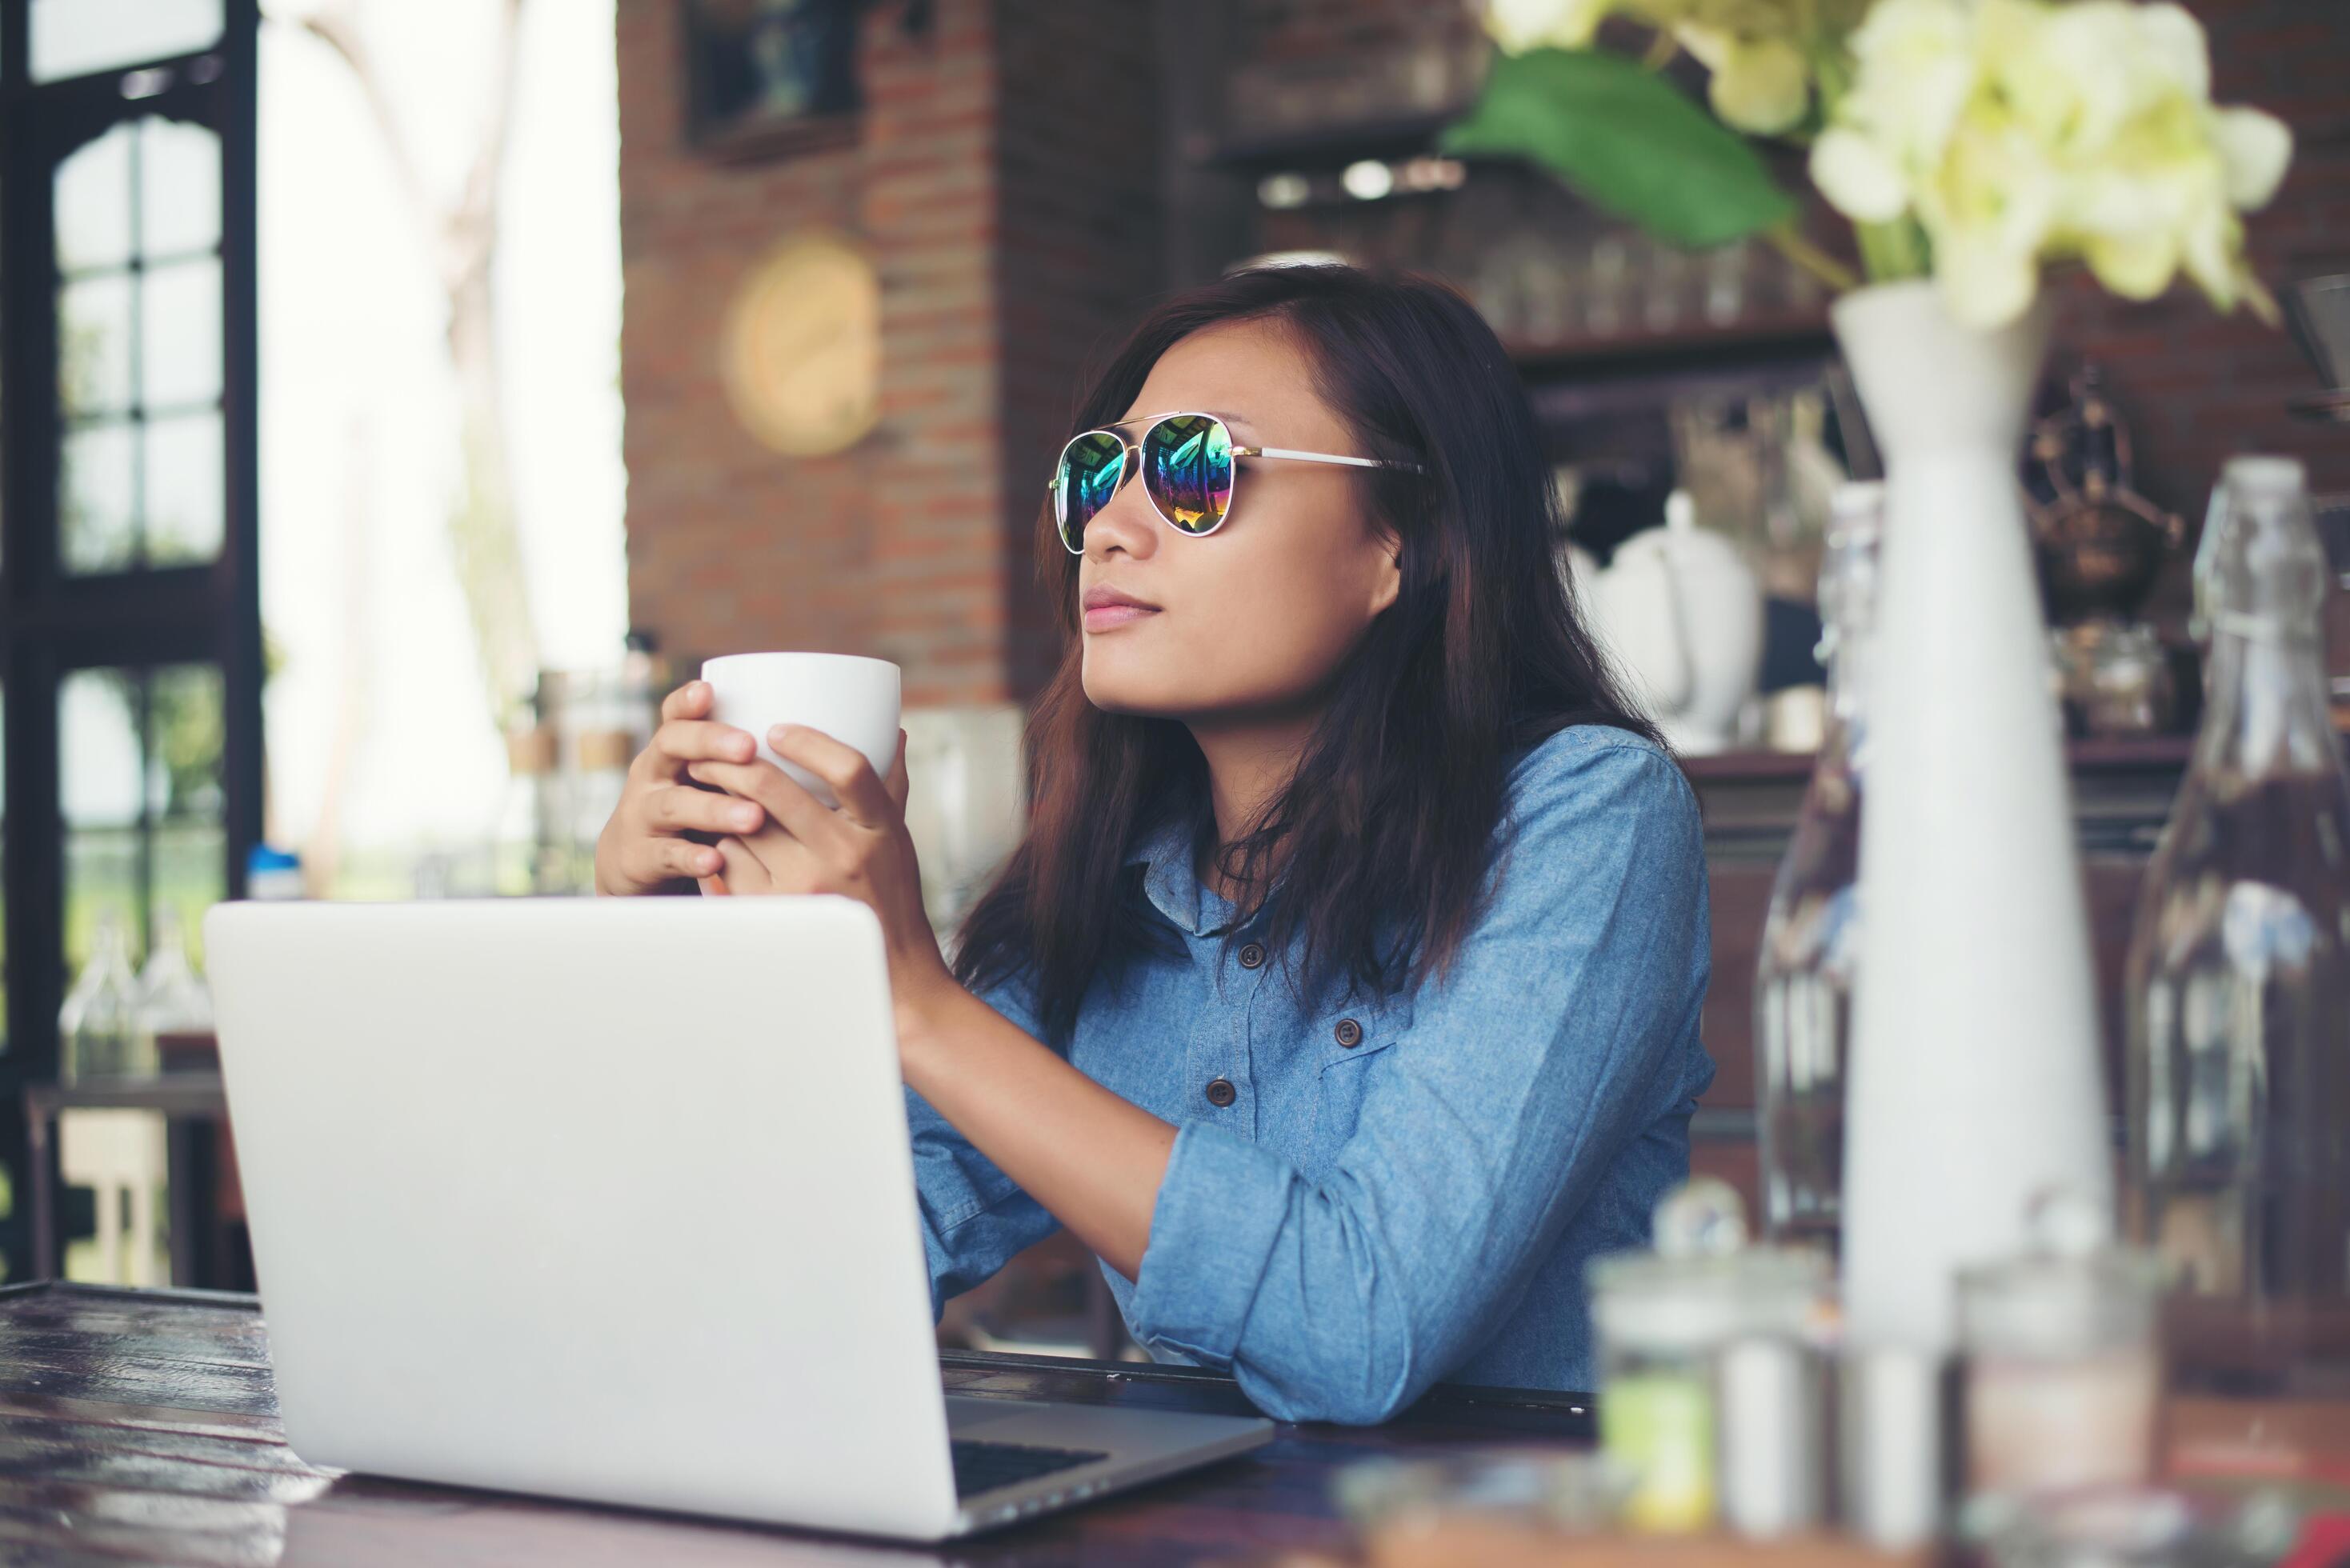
(861, 851)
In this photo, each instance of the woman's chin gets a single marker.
(1145, 694)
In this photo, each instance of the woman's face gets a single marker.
(1253, 619)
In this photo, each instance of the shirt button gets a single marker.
(1349, 1033)
(1251, 956)
(1220, 1092)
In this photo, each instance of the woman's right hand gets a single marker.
(644, 847)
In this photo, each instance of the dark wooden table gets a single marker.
(141, 1427)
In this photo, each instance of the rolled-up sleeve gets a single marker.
(974, 1217)
(1566, 1022)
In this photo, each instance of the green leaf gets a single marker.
(1628, 141)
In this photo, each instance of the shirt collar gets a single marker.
(1168, 881)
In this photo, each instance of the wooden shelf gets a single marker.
(1735, 766)
(1745, 340)
(1311, 146)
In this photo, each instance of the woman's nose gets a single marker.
(1127, 523)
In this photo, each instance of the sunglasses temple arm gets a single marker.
(1282, 452)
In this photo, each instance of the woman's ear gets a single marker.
(1387, 575)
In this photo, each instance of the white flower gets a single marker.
(2173, 41)
(1518, 26)
(1760, 85)
(1915, 71)
(2021, 131)
(1989, 214)
(2254, 148)
(1858, 177)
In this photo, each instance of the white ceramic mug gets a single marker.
(855, 700)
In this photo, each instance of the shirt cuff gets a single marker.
(1220, 1207)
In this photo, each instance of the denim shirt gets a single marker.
(1368, 1196)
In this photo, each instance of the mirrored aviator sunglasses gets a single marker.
(1188, 473)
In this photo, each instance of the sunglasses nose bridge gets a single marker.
(1119, 527)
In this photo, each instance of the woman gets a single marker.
(1344, 995)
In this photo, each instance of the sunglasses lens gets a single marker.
(1090, 466)
(1187, 467)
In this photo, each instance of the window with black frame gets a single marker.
(129, 626)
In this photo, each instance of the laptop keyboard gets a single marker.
(983, 1467)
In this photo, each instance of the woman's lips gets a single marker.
(1109, 616)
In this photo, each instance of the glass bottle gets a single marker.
(174, 1016)
(1708, 1396)
(2238, 984)
(96, 1024)
(1811, 933)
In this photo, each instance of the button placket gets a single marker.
(1218, 1060)
(1220, 1091)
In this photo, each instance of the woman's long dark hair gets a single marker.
(1377, 854)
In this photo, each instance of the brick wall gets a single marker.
(1000, 195)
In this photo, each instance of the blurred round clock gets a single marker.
(803, 347)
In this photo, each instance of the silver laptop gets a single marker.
(613, 1200)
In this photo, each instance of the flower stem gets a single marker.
(1893, 250)
(1789, 242)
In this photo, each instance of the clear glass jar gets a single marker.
(2237, 986)
(1708, 1371)
(1659, 1322)
(2064, 1361)
(1811, 934)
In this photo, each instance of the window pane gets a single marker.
(181, 326)
(184, 733)
(97, 526)
(190, 876)
(101, 878)
(94, 345)
(93, 191)
(98, 739)
(143, 822)
(185, 489)
(75, 37)
(183, 743)
(98, 750)
(179, 188)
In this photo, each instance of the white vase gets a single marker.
(1974, 1077)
